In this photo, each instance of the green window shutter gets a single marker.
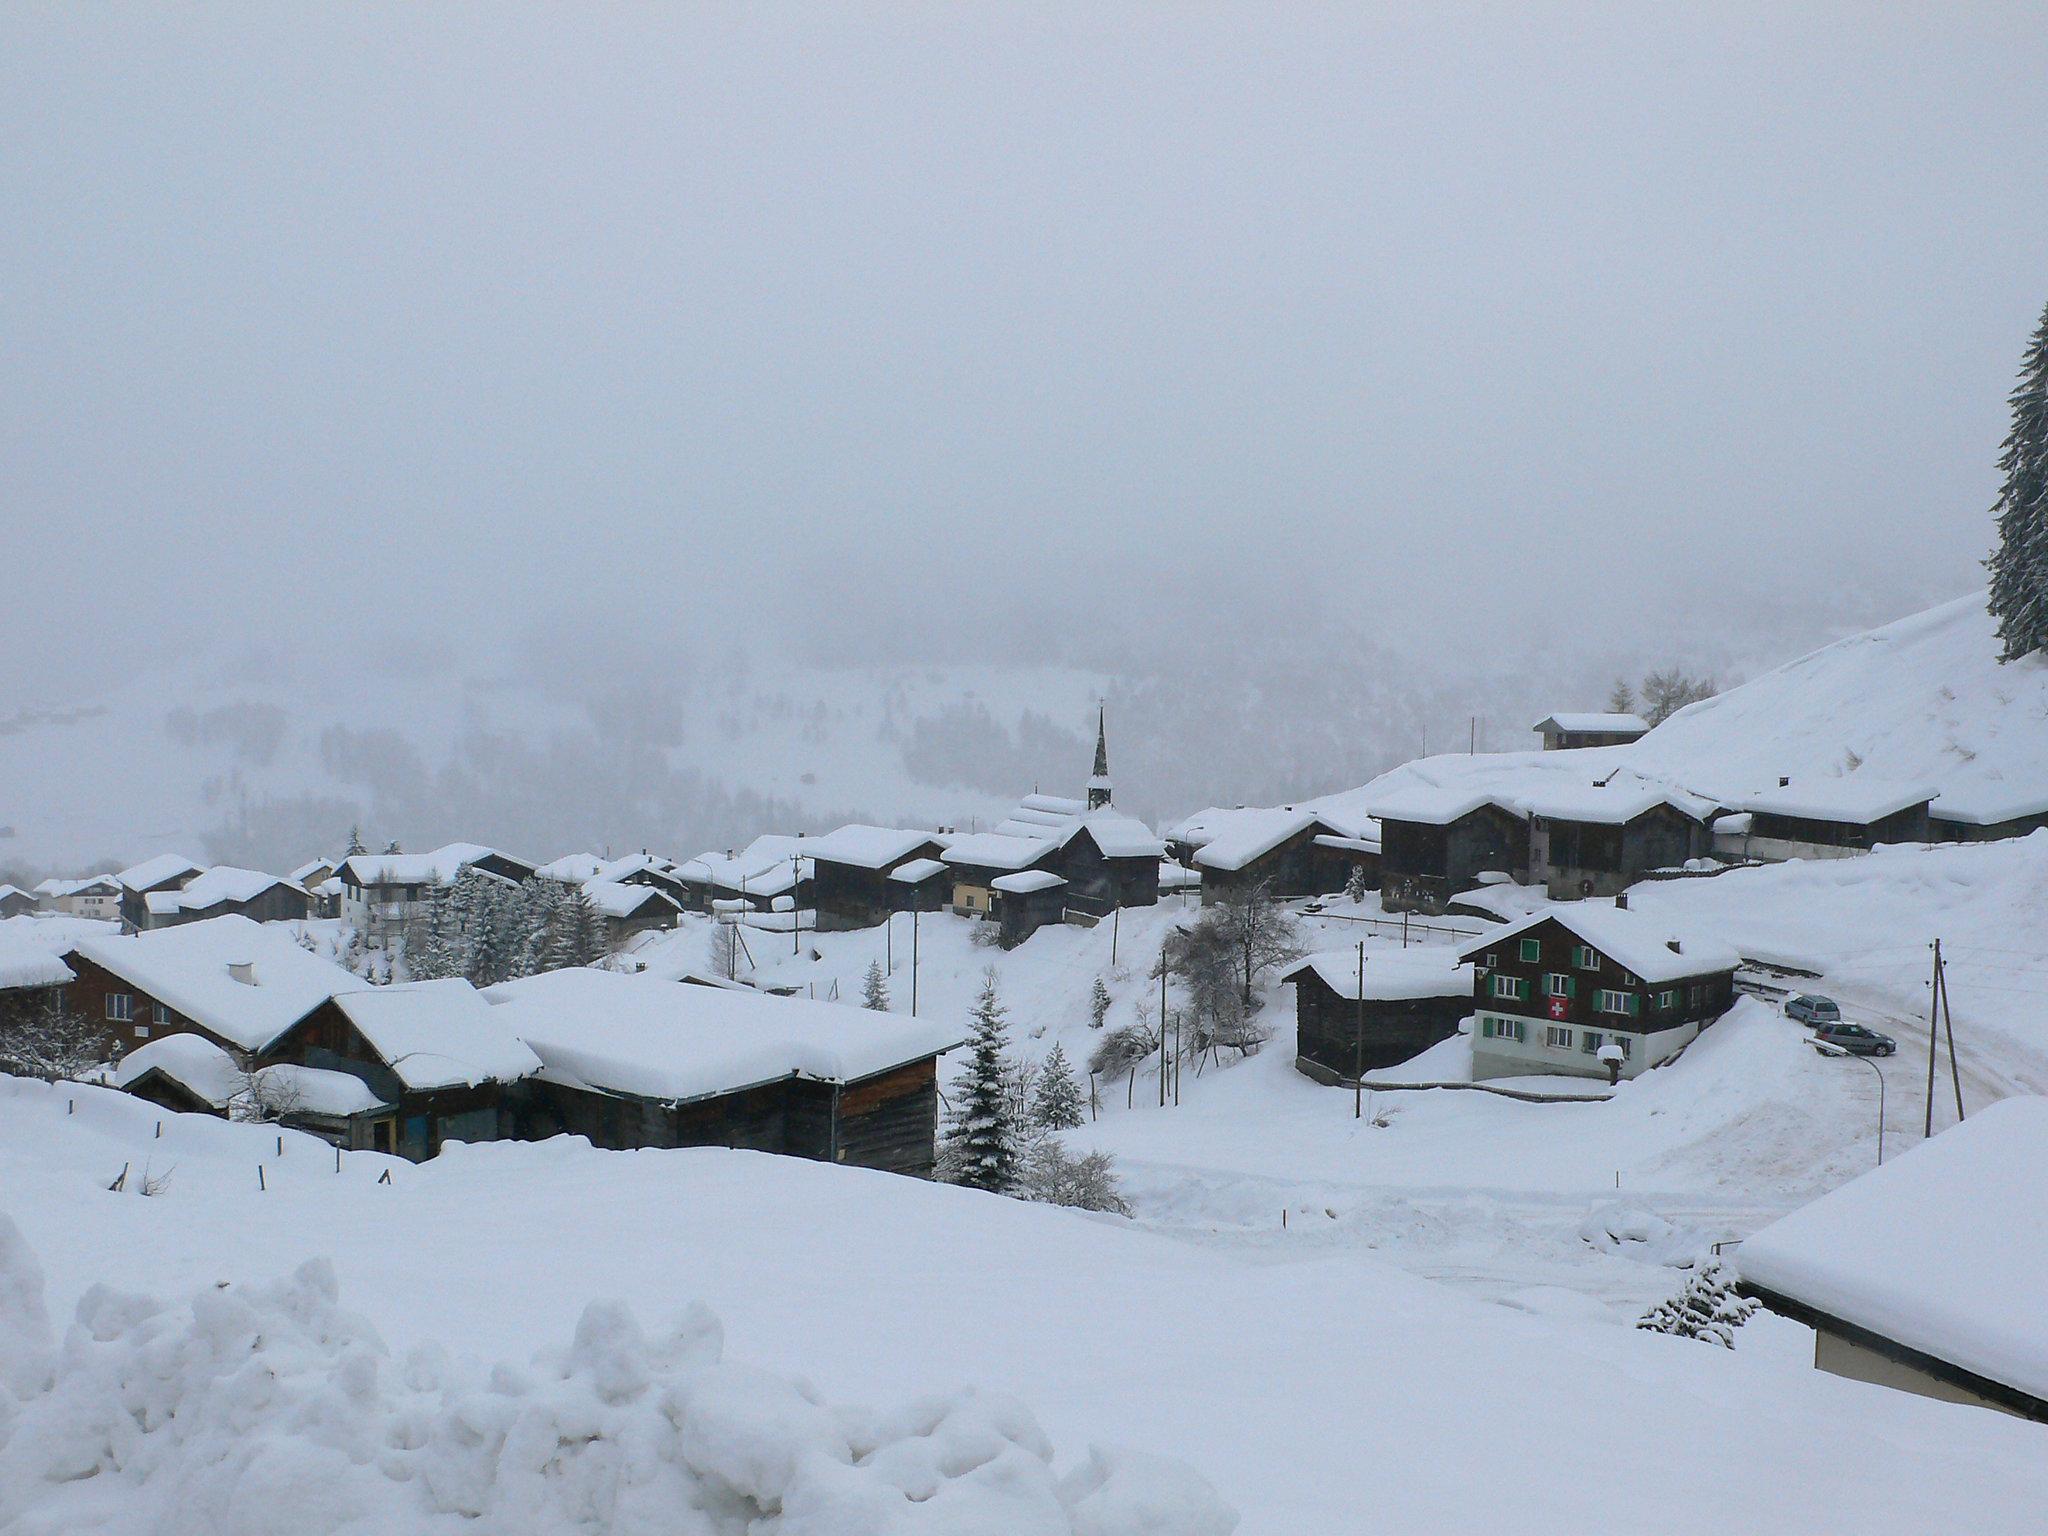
(1571, 986)
(1532, 950)
(1631, 1004)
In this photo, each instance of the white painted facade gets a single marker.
(1511, 1045)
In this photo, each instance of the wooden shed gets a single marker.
(853, 884)
(1356, 1014)
(1830, 818)
(1436, 842)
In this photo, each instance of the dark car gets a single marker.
(1855, 1039)
(1811, 1008)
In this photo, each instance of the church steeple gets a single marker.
(1099, 786)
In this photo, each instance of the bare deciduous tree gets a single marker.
(41, 1037)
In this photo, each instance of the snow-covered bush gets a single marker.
(1634, 1231)
(1708, 1308)
(1056, 1101)
(1122, 1048)
(267, 1409)
(1048, 1173)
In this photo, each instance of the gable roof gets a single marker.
(1856, 799)
(1233, 839)
(1937, 1250)
(868, 847)
(1986, 805)
(1594, 723)
(187, 968)
(1025, 881)
(438, 866)
(161, 870)
(1633, 940)
(438, 1034)
(56, 889)
(762, 868)
(916, 871)
(191, 1061)
(1619, 801)
(653, 1039)
(313, 872)
(1438, 805)
(999, 850)
(571, 868)
(614, 898)
(1390, 973)
(222, 884)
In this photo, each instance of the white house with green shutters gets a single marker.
(1569, 989)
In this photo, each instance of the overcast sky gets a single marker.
(309, 314)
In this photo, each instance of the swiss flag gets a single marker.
(1560, 1007)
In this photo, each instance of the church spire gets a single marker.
(1099, 787)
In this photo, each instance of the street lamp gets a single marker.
(1828, 1049)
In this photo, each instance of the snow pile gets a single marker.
(1634, 1231)
(268, 1408)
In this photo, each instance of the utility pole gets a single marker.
(1472, 739)
(1948, 1025)
(1116, 914)
(1162, 1028)
(913, 962)
(1933, 1035)
(1358, 1042)
(796, 904)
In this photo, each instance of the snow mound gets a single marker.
(261, 1410)
(1634, 1231)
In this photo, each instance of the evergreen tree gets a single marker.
(355, 843)
(2019, 566)
(981, 1136)
(1709, 1308)
(1098, 1005)
(1356, 886)
(579, 932)
(392, 847)
(874, 989)
(1056, 1105)
(1622, 701)
(433, 945)
(727, 952)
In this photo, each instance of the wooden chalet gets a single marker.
(436, 1063)
(382, 892)
(1830, 818)
(1916, 1275)
(165, 872)
(1353, 1016)
(629, 910)
(1599, 839)
(1436, 842)
(184, 1073)
(223, 891)
(854, 884)
(1282, 849)
(1568, 732)
(237, 982)
(95, 896)
(772, 873)
(632, 1061)
(1982, 814)
(15, 902)
(1556, 990)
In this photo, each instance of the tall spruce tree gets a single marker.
(874, 989)
(1056, 1101)
(1098, 1004)
(2019, 566)
(981, 1133)
(579, 931)
(355, 843)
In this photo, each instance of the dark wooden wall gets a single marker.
(1327, 1034)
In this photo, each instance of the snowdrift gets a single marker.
(267, 1409)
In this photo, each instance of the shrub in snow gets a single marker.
(1056, 1104)
(1708, 1308)
(1048, 1173)
(1098, 1005)
(267, 1409)
(981, 1133)
(1122, 1049)
(1356, 886)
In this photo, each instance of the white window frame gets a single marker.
(1511, 989)
(1591, 1042)
(1556, 984)
(1610, 1001)
(121, 1007)
(1558, 1037)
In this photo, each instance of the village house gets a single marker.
(185, 1073)
(1565, 733)
(632, 1061)
(1984, 813)
(1285, 850)
(239, 983)
(225, 890)
(15, 902)
(32, 982)
(383, 892)
(435, 1063)
(1599, 839)
(772, 873)
(1436, 841)
(1831, 818)
(854, 885)
(1919, 1275)
(1565, 990)
(572, 868)
(1357, 1012)
(96, 896)
(165, 872)
(323, 890)
(629, 910)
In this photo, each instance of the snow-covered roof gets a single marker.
(7, 890)
(1390, 973)
(1855, 798)
(222, 883)
(999, 850)
(23, 964)
(313, 872)
(188, 968)
(1120, 836)
(316, 1091)
(1986, 805)
(762, 868)
(1436, 804)
(438, 1034)
(571, 868)
(654, 1039)
(641, 863)
(1614, 803)
(1348, 844)
(1608, 724)
(55, 889)
(1025, 881)
(1178, 877)
(1634, 940)
(1941, 1250)
(154, 872)
(1235, 838)
(918, 870)
(615, 899)
(867, 847)
(438, 866)
(194, 1062)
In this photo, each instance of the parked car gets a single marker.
(1855, 1039)
(1811, 1008)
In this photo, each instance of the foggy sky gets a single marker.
(876, 323)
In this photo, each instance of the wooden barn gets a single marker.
(1353, 1016)
(629, 910)
(632, 1061)
(437, 1063)
(1984, 814)
(187, 1074)
(1436, 842)
(853, 884)
(1285, 850)
(1568, 732)
(1557, 989)
(1832, 818)
(15, 902)
(165, 872)
(222, 891)
(1597, 840)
